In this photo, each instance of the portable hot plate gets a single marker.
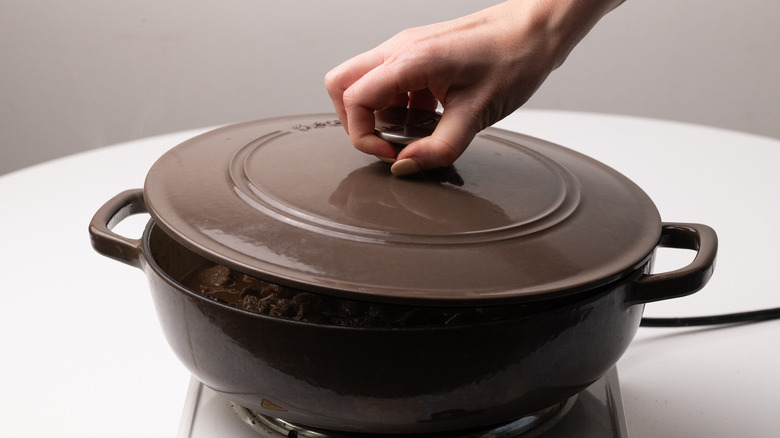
(596, 412)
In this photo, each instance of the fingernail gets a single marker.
(405, 167)
(386, 159)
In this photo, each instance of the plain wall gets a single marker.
(82, 74)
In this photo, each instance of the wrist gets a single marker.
(562, 23)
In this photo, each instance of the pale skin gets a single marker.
(480, 68)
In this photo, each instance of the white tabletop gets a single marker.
(82, 353)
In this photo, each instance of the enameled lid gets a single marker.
(291, 201)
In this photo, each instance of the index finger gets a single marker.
(341, 78)
(386, 85)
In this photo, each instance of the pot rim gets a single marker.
(538, 306)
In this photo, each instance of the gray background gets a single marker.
(82, 74)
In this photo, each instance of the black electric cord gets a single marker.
(729, 318)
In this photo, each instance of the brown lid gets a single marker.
(291, 201)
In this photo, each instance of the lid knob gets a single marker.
(402, 126)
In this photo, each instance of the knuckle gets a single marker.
(351, 98)
(333, 79)
(444, 153)
(330, 80)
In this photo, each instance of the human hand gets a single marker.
(480, 68)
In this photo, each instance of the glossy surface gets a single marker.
(402, 126)
(288, 200)
(398, 380)
(390, 380)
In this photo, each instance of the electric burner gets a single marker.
(265, 425)
(596, 412)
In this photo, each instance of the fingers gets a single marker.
(397, 74)
(348, 86)
(339, 79)
(386, 85)
(357, 93)
(456, 129)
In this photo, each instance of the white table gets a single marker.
(82, 354)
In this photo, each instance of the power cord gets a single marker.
(730, 318)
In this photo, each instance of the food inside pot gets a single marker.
(223, 285)
(236, 289)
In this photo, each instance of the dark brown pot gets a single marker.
(398, 381)
(558, 244)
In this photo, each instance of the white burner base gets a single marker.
(597, 412)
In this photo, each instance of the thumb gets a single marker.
(453, 134)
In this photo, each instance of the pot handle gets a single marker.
(110, 244)
(683, 281)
